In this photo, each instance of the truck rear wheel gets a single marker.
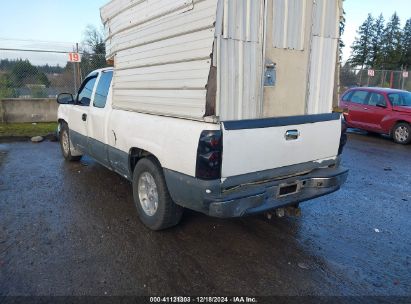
(155, 207)
(65, 144)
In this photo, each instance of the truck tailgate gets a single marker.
(257, 145)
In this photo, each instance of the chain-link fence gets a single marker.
(374, 78)
(45, 74)
(42, 73)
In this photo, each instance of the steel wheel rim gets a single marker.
(402, 134)
(148, 194)
(65, 142)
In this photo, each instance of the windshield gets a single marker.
(400, 99)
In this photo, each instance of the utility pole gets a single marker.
(78, 68)
(74, 76)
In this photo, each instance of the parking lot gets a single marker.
(72, 229)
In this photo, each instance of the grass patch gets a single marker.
(27, 129)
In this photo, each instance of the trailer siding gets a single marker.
(239, 37)
(161, 50)
(162, 53)
(323, 56)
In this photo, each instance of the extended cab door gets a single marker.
(78, 114)
(97, 119)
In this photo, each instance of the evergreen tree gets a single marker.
(406, 45)
(392, 44)
(94, 40)
(341, 44)
(377, 57)
(22, 72)
(361, 48)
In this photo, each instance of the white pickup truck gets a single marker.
(227, 169)
(223, 107)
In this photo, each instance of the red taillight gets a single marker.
(209, 155)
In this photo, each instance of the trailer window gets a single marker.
(103, 87)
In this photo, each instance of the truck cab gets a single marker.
(87, 114)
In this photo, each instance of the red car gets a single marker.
(379, 110)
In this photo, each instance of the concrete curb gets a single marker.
(10, 139)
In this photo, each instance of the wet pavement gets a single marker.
(72, 229)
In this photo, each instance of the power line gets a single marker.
(32, 40)
(37, 51)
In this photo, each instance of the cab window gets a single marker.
(84, 96)
(359, 97)
(103, 86)
(376, 99)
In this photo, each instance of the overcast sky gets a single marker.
(64, 21)
(60, 21)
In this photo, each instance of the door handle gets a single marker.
(365, 108)
(292, 135)
(84, 117)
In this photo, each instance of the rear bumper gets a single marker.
(269, 196)
(216, 199)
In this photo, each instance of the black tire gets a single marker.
(402, 133)
(167, 213)
(66, 150)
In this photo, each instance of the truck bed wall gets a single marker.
(171, 140)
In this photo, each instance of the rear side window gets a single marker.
(103, 86)
(359, 97)
(376, 99)
(84, 95)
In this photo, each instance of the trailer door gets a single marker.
(300, 56)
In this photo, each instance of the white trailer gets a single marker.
(223, 107)
(223, 60)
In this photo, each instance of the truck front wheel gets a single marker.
(155, 207)
(65, 143)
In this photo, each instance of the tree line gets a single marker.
(382, 46)
(19, 73)
(9, 64)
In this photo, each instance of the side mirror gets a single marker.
(65, 98)
(381, 105)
